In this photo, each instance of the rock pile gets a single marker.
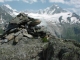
(23, 25)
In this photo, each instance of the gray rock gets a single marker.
(25, 49)
(25, 33)
(17, 38)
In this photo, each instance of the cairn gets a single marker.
(22, 25)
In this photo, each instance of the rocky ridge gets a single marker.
(35, 49)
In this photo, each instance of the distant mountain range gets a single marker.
(53, 12)
(59, 22)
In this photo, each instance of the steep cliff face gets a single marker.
(35, 49)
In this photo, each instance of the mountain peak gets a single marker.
(9, 7)
(9, 10)
(54, 9)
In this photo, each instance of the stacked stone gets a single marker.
(22, 25)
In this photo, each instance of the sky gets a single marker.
(20, 5)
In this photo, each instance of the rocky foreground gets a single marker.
(24, 40)
(35, 49)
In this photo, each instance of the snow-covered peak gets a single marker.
(9, 10)
(54, 9)
(8, 6)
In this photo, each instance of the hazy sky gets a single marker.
(72, 5)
